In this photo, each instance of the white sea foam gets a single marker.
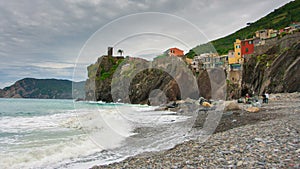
(75, 138)
(15, 124)
(41, 157)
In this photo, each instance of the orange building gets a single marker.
(175, 52)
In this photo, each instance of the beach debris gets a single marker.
(258, 139)
(256, 104)
(172, 105)
(206, 104)
(252, 109)
(240, 163)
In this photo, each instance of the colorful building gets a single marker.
(241, 48)
(231, 58)
(209, 61)
(175, 52)
(247, 47)
(295, 25)
(262, 34)
(286, 30)
(237, 53)
(266, 33)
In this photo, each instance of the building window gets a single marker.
(239, 53)
(247, 50)
(250, 42)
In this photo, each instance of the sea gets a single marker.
(42, 133)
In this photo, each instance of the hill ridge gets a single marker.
(279, 18)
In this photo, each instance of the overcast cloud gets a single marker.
(42, 39)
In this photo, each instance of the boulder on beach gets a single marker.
(232, 106)
(191, 101)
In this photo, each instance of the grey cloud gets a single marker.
(12, 74)
(39, 31)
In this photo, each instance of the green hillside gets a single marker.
(278, 19)
(44, 89)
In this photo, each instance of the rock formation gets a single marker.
(133, 80)
(275, 69)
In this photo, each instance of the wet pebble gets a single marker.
(267, 144)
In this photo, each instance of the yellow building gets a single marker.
(237, 53)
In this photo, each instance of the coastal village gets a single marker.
(244, 49)
(231, 63)
(202, 84)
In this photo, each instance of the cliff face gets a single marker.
(275, 69)
(204, 85)
(153, 79)
(135, 80)
(42, 89)
(100, 75)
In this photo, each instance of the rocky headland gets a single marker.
(131, 80)
(44, 89)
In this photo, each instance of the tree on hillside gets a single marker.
(191, 54)
(120, 51)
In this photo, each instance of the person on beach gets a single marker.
(266, 97)
(247, 98)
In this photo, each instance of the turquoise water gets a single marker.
(33, 107)
(66, 134)
(28, 126)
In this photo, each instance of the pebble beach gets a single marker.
(265, 139)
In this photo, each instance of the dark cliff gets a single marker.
(274, 68)
(100, 75)
(43, 89)
(135, 80)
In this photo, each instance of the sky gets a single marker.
(60, 38)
